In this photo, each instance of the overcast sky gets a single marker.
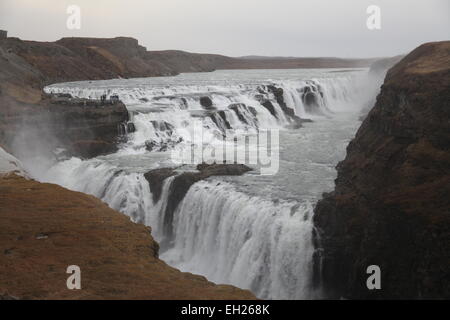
(240, 27)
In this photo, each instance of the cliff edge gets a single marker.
(45, 228)
(391, 204)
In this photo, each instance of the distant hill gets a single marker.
(71, 59)
(261, 62)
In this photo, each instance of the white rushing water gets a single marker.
(251, 231)
(249, 241)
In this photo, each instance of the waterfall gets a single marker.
(219, 231)
(162, 115)
(246, 241)
(255, 243)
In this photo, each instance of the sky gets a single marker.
(301, 28)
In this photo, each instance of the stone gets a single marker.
(206, 103)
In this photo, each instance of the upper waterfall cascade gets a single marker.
(161, 116)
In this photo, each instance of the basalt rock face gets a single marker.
(391, 204)
(156, 179)
(87, 131)
(206, 103)
(45, 228)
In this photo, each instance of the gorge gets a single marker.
(225, 221)
(257, 229)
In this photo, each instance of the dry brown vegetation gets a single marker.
(45, 228)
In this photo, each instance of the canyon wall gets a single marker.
(391, 204)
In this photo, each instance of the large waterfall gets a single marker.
(252, 231)
(248, 241)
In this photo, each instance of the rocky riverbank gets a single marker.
(391, 204)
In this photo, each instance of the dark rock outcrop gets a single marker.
(269, 106)
(278, 93)
(391, 204)
(156, 179)
(220, 119)
(310, 97)
(238, 110)
(206, 103)
(84, 131)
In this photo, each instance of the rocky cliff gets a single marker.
(45, 228)
(391, 204)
